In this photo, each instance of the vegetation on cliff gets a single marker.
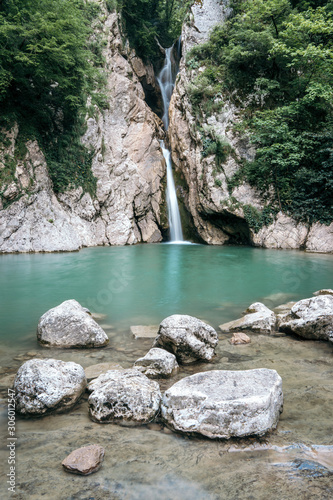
(48, 67)
(274, 60)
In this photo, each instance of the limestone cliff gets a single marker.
(218, 215)
(128, 164)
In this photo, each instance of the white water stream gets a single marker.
(166, 81)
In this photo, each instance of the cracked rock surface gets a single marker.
(44, 386)
(128, 164)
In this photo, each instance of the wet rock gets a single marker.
(324, 291)
(124, 397)
(224, 404)
(44, 386)
(85, 460)
(188, 338)
(144, 332)
(69, 325)
(310, 318)
(239, 338)
(157, 363)
(258, 318)
(95, 371)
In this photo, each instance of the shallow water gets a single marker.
(142, 285)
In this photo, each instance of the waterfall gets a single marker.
(166, 80)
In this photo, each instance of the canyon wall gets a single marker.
(218, 215)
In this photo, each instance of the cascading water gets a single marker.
(166, 80)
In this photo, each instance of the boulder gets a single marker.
(94, 371)
(157, 363)
(240, 338)
(258, 318)
(44, 386)
(69, 325)
(224, 404)
(85, 460)
(310, 318)
(188, 338)
(124, 397)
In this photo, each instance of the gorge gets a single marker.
(157, 178)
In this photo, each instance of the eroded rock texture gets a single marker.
(44, 386)
(219, 216)
(128, 164)
(225, 404)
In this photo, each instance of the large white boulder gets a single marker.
(44, 386)
(124, 397)
(224, 404)
(310, 318)
(157, 363)
(258, 318)
(70, 325)
(188, 338)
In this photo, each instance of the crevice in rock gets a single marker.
(235, 227)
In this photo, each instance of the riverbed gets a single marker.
(141, 285)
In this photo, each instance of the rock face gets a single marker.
(225, 404)
(94, 371)
(124, 397)
(69, 325)
(44, 386)
(219, 216)
(128, 164)
(310, 318)
(188, 338)
(85, 460)
(157, 363)
(258, 319)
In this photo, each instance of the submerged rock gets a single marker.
(188, 338)
(85, 460)
(144, 331)
(94, 371)
(239, 338)
(124, 397)
(310, 318)
(45, 386)
(258, 318)
(225, 404)
(69, 325)
(157, 363)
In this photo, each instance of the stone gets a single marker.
(239, 338)
(124, 397)
(218, 216)
(44, 386)
(324, 291)
(258, 318)
(310, 318)
(144, 332)
(157, 363)
(224, 404)
(94, 371)
(69, 325)
(188, 338)
(129, 203)
(85, 460)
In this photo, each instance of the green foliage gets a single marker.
(214, 144)
(256, 219)
(47, 70)
(146, 21)
(278, 56)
